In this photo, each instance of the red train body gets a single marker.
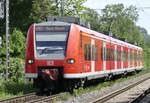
(57, 51)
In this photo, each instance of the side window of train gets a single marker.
(101, 53)
(80, 40)
(117, 55)
(96, 53)
(93, 52)
(89, 52)
(112, 54)
(105, 54)
(85, 51)
(109, 55)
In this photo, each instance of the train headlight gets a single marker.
(30, 61)
(70, 61)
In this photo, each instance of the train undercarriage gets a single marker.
(51, 80)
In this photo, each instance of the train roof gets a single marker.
(103, 36)
(86, 30)
(53, 23)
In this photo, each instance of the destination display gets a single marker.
(50, 28)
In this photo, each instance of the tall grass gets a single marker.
(10, 88)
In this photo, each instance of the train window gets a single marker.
(93, 52)
(96, 53)
(89, 52)
(101, 53)
(104, 54)
(80, 41)
(121, 55)
(85, 51)
(109, 54)
(137, 57)
(127, 56)
(113, 55)
(117, 55)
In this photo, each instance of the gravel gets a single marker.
(89, 97)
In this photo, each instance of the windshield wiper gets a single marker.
(51, 49)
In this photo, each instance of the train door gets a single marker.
(118, 57)
(97, 56)
(101, 55)
(122, 57)
(115, 57)
(82, 53)
(112, 62)
(93, 55)
(128, 58)
(133, 59)
(108, 56)
(104, 56)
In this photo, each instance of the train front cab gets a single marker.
(46, 50)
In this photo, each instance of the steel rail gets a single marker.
(19, 99)
(47, 99)
(117, 92)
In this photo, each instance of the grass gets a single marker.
(9, 89)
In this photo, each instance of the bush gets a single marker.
(17, 44)
(16, 68)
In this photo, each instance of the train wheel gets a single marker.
(109, 77)
(124, 75)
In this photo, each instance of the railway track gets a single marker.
(110, 98)
(20, 99)
(32, 98)
(47, 99)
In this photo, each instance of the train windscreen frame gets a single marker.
(51, 42)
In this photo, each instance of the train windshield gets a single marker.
(51, 42)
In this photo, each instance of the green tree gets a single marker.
(17, 44)
(92, 17)
(73, 7)
(121, 22)
(42, 9)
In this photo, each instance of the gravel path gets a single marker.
(88, 97)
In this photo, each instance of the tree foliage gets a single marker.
(121, 22)
(17, 45)
(42, 9)
(92, 17)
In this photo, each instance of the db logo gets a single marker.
(50, 62)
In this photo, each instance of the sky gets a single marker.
(144, 13)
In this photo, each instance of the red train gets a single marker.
(60, 54)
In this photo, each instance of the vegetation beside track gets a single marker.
(9, 89)
(99, 86)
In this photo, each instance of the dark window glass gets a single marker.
(80, 40)
(101, 53)
(89, 52)
(85, 51)
(109, 54)
(95, 53)
(104, 54)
